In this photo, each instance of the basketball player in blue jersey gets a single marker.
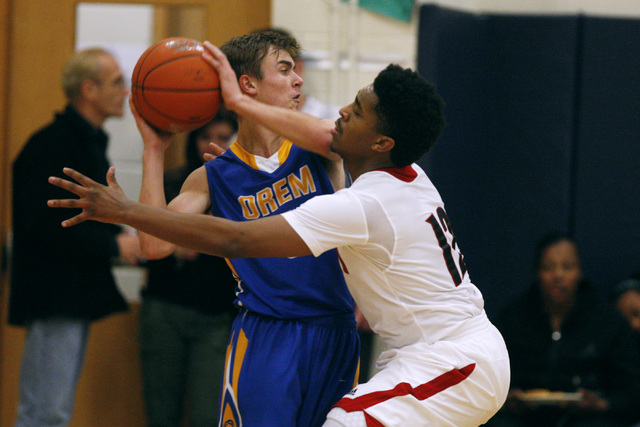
(294, 349)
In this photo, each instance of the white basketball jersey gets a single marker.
(398, 253)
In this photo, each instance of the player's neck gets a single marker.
(359, 167)
(258, 140)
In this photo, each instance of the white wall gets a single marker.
(126, 31)
(337, 32)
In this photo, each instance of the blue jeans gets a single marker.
(51, 364)
(182, 355)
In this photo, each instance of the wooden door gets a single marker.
(36, 37)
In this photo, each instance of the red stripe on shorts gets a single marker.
(420, 392)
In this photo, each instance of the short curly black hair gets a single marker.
(410, 111)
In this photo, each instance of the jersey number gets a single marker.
(441, 225)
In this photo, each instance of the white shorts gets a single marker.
(459, 381)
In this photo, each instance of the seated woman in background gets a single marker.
(574, 359)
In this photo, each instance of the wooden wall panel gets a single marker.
(32, 90)
(4, 188)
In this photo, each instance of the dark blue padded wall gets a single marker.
(543, 135)
(607, 193)
(503, 164)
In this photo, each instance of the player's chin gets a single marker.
(333, 146)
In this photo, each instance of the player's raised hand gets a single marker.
(98, 202)
(150, 136)
(231, 92)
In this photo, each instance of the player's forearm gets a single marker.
(152, 189)
(304, 130)
(189, 231)
(152, 194)
(271, 236)
(214, 235)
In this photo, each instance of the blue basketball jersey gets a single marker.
(305, 288)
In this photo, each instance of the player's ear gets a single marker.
(383, 144)
(247, 85)
(88, 89)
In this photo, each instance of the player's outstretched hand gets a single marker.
(98, 202)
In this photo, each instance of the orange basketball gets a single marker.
(173, 88)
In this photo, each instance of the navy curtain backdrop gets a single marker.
(543, 135)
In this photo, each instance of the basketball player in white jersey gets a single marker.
(446, 364)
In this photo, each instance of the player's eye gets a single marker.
(119, 82)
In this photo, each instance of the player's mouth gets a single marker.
(338, 129)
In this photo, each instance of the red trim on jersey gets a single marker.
(406, 174)
(421, 392)
(372, 422)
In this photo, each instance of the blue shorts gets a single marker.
(285, 372)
